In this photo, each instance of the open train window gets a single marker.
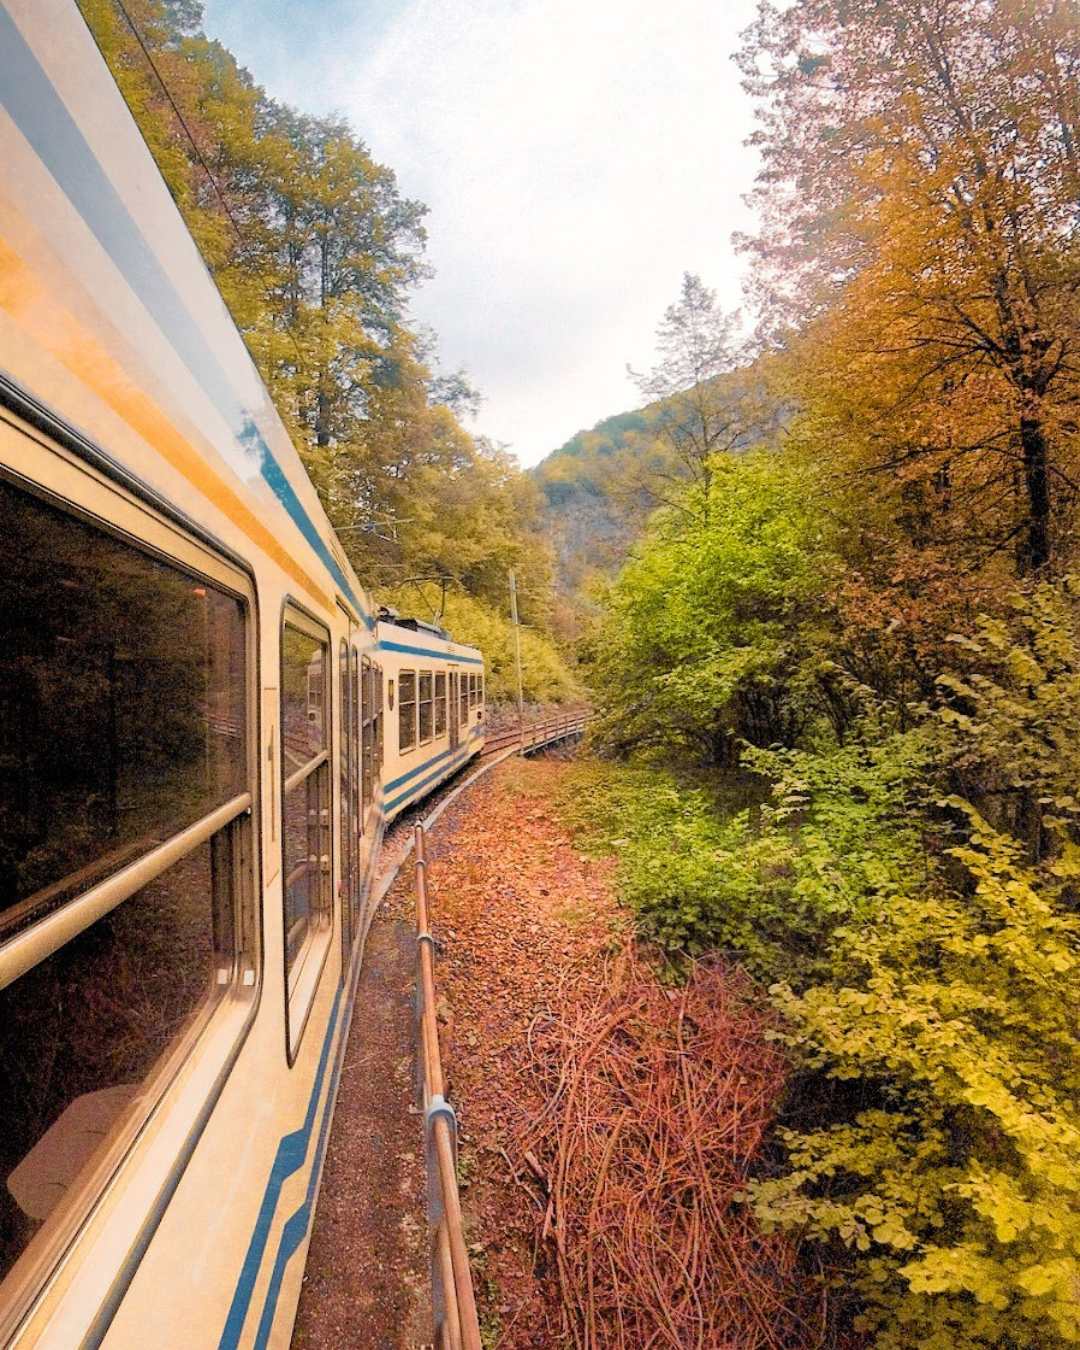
(306, 826)
(440, 703)
(427, 719)
(125, 894)
(406, 709)
(463, 713)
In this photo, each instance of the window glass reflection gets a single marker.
(406, 710)
(81, 1032)
(440, 704)
(303, 711)
(122, 705)
(426, 711)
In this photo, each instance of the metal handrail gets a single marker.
(534, 734)
(454, 1302)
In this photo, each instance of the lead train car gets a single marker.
(193, 695)
(435, 698)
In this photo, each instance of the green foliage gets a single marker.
(315, 251)
(763, 873)
(712, 632)
(602, 486)
(924, 959)
(962, 1187)
(546, 678)
(1008, 724)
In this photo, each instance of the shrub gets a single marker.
(961, 1187)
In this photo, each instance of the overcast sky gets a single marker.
(577, 157)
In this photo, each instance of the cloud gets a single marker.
(576, 157)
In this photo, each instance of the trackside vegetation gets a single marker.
(837, 684)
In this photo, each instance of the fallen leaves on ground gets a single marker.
(607, 1122)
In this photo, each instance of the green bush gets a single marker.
(910, 897)
(961, 1187)
(713, 632)
(767, 882)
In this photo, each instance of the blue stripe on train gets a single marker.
(39, 113)
(291, 1152)
(470, 747)
(397, 782)
(296, 1226)
(387, 646)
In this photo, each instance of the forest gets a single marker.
(842, 661)
(821, 588)
(316, 253)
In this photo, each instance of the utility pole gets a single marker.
(517, 651)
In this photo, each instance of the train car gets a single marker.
(193, 752)
(435, 707)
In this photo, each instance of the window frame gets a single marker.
(422, 703)
(407, 703)
(29, 946)
(367, 723)
(380, 687)
(346, 769)
(80, 481)
(302, 979)
(439, 699)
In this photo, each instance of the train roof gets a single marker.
(418, 638)
(113, 334)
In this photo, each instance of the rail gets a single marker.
(454, 1302)
(533, 735)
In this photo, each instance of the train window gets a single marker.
(463, 701)
(472, 691)
(440, 703)
(480, 689)
(122, 714)
(425, 704)
(123, 739)
(369, 733)
(379, 718)
(358, 780)
(406, 709)
(359, 769)
(84, 1029)
(302, 713)
(306, 810)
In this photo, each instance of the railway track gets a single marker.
(369, 1110)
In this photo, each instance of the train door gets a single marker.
(455, 729)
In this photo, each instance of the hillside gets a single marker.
(603, 484)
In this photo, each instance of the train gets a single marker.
(205, 727)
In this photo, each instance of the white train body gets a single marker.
(198, 753)
(435, 698)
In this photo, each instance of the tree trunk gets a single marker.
(1037, 485)
(322, 413)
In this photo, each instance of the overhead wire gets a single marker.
(180, 118)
